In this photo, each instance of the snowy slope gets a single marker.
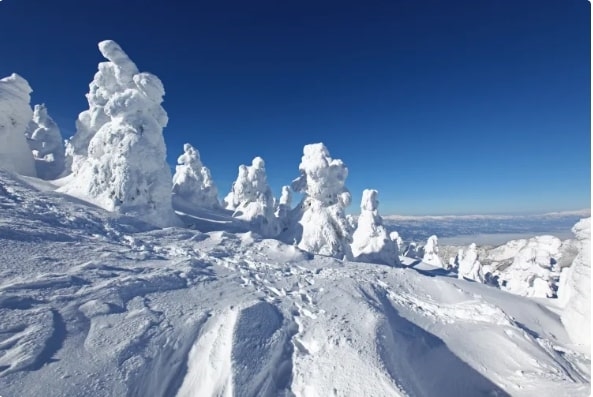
(97, 304)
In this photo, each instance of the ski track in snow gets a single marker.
(91, 304)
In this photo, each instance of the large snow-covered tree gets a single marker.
(371, 241)
(124, 167)
(45, 141)
(15, 114)
(319, 223)
(468, 265)
(192, 182)
(431, 252)
(252, 200)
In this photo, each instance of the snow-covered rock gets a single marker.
(319, 224)
(15, 114)
(371, 241)
(431, 252)
(251, 198)
(575, 291)
(532, 270)
(468, 265)
(192, 182)
(124, 167)
(46, 143)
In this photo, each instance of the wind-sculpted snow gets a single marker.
(116, 308)
(15, 114)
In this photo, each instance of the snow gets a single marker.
(370, 241)
(431, 252)
(99, 303)
(319, 224)
(45, 140)
(576, 290)
(124, 167)
(15, 114)
(192, 182)
(251, 198)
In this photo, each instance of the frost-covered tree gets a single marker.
(575, 288)
(431, 252)
(319, 224)
(411, 250)
(45, 141)
(251, 198)
(395, 237)
(468, 265)
(283, 208)
(371, 241)
(15, 114)
(124, 167)
(192, 182)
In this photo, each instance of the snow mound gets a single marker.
(192, 181)
(45, 140)
(576, 291)
(431, 252)
(371, 241)
(124, 167)
(319, 224)
(533, 269)
(15, 114)
(251, 198)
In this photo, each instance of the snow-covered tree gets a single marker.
(411, 250)
(15, 114)
(575, 288)
(319, 224)
(371, 241)
(192, 182)
(395, 237)
(468, 265)
(251, 198)
(283, 208)
(431, 252)
(45, 141)
(119, 154)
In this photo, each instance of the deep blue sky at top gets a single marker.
(443, 106)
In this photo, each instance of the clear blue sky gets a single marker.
(445, 107)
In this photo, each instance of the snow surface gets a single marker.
(370, 241)
(15, 114)
(123, 167)
(46, 143)
(102, 304)
(192, 182)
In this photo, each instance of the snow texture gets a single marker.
(124, 168)
(319, 224)
(192, 181)
(431, 252)
(468, 265)
(15, 114)
(576, 291)
(46, 143)
(371, 241)
(251, 198)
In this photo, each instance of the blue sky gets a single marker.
(450, 107)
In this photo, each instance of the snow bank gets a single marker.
(468, 265)
(371, 241)
(251, 198)
(118, 153)
(576, 291)
(431, 252)
(15, 114)
(45, 140)
(192, 181)
(319, 224)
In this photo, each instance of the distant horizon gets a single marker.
(458, 108)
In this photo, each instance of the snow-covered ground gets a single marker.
(94, 303)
